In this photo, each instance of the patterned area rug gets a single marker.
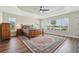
(43, 44)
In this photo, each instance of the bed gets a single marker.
(30, 32)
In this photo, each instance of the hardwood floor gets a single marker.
(14, 45)
(70, 46)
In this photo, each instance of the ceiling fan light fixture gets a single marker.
(41, 11)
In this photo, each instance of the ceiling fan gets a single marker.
(43, 9)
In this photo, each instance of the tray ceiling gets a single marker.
(36, 9)
(53, 10)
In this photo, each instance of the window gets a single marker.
(12, 22)
(60, 24)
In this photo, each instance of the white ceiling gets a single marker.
(17, 11)
(33, 11)
(36, 9)
(53, 10)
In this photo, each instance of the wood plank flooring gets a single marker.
(70, 46)
(15, 45)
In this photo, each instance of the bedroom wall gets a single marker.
(1, 15)
(73, 23)
(21, 19)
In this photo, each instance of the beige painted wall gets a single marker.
(73, 23)
(1, 15)
(20, 19)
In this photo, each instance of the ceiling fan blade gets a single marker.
(45, 9)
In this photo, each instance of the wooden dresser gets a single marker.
(4, 31)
